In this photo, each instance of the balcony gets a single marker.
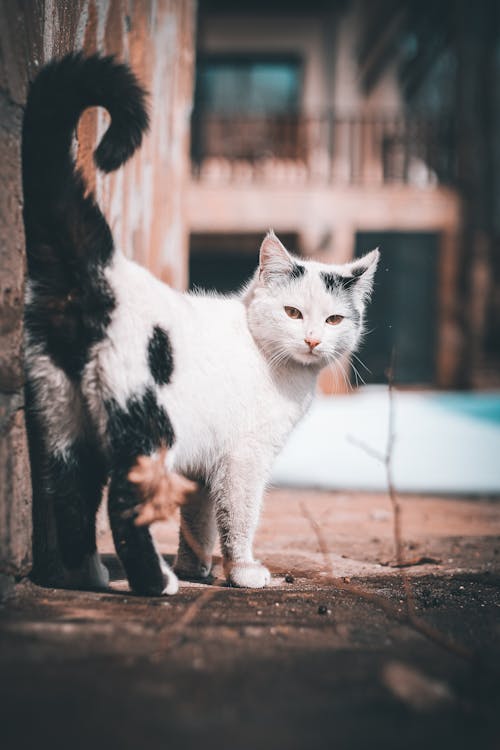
(298, 149)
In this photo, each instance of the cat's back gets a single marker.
(211, 338)
(218, 319)
(211, 347)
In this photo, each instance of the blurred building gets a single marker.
(301, 123)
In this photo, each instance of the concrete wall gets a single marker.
(143, 202)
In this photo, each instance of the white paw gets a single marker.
(92, 574)
(250, 575)
(172, 586)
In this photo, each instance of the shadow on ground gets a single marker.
(304, 664)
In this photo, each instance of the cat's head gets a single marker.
(308, 312)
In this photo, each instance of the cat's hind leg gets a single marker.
(197, 536)
(68, 475)
(78, 478)
(140, 428)
(74, 480)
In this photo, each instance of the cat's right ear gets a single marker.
(274, 260)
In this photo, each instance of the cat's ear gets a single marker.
(363, 272)
(274, 259)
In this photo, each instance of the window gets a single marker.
(246, 108)
(252, 86)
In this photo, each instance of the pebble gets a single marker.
(289, 578)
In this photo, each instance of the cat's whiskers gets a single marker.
(278, 357)
(343, 370)
(357, 375)
(361, 362)
(338, 364)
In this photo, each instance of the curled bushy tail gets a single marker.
(61, 92)
(68, 240)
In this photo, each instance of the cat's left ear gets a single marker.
(274, 260)
(363, 272)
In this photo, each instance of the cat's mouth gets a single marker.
(309, 357)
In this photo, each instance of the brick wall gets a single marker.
(143, 202)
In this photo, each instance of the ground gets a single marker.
(325, 658)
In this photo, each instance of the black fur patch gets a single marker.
(68, 240)
(160, 356)
(66, 324)
(139, 429)
(76, 482)
(335, 281)
(332, 281)
(67, 491)
(357, 272)
(297, 271)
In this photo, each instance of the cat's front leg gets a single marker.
(237, 491)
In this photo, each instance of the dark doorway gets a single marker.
(224, 262)
(402, 314)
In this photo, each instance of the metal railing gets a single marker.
(294, 148)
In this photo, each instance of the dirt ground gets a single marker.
(328, 657)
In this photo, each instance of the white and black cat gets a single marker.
(119, 364)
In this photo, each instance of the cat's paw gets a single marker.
(91, 575)
(189, 567)
(172, 584)
(154, 582)
(170, 580)
(247, 575)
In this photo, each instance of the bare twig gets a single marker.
(396, 507)
(159, 490)
(410, 617)
(414, 561)
(373, 452)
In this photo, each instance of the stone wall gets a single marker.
(143, 201)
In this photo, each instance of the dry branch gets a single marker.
(410, 617)
(160, 491)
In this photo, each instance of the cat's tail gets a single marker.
(63, 222)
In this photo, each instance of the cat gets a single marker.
(119, 365)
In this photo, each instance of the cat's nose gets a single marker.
(312, 343)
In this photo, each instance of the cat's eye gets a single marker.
(292, 312)
(334, 320)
